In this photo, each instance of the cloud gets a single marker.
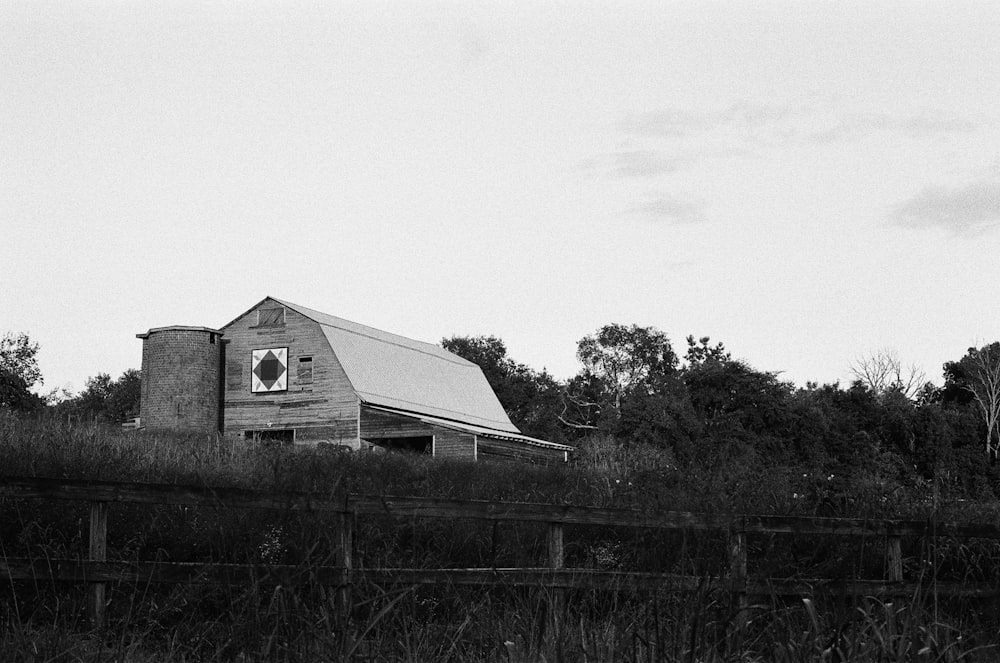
(777, 124)
(676, 123)
(633, 163)
(855, 126)
(663, 207)
(920, 126)
(966, 211)
(668, 122)
(740, 116)
(643, 163)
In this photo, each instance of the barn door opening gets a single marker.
(277, 435)
(418, 445)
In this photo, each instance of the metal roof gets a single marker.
(479, 430)
(403, 374)
(154, 330)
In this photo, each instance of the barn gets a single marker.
(287, 373)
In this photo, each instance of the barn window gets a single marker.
(270, 317)
(269, 370)
(305, 373)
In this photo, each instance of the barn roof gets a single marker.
(413, 376)
(485, 432)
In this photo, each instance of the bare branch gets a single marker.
(983, 383)
(882, 372)
(573, 425)
(579, 403)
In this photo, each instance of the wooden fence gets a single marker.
(97, 571)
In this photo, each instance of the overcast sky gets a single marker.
(804, 181)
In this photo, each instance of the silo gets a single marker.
(181, 372)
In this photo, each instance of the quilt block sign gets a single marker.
(269, 370)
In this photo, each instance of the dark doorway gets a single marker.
(282, 435)
(418, 445)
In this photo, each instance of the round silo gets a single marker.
(181, 371)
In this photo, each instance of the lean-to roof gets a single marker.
(403, 374)
(480, 430)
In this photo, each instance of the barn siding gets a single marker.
(448, 443)
(324, 408)
(378, 425)
(453, 444)
(188, 384)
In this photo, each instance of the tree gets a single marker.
(105, 399)
(123, 400)
(731, 397)
(15, 394)
(18, 356)
(700, 352)
(531, 399)
(91, 403)
(490, 354)
(626, 358)
(978, 373)
(664, 419)
(883, 372)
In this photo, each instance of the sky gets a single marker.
(806, 182)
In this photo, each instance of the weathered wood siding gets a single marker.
(453, 444)
(490, 448)
(378, 425)
(320, 404)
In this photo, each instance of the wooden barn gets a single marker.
(285, 372)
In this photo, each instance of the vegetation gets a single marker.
(654, 429)
(266, 622)
(708, 412)
(102, 400)
(19, 373)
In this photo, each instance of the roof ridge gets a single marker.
(379, 335)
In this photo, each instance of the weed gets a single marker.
(306, 621)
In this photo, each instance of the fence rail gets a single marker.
(429, 507)
(97, 571)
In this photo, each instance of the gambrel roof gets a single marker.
(409, 376)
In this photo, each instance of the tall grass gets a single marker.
(273, 623)
(269, 622)
(602, 472)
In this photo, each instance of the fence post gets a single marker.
(345, 554)
(557, 560)
(98, 552)
(894, 549)
(557, 557)
(738, 580)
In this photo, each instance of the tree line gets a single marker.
(102, 399)
(708, 409)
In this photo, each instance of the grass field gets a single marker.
(264, 622)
